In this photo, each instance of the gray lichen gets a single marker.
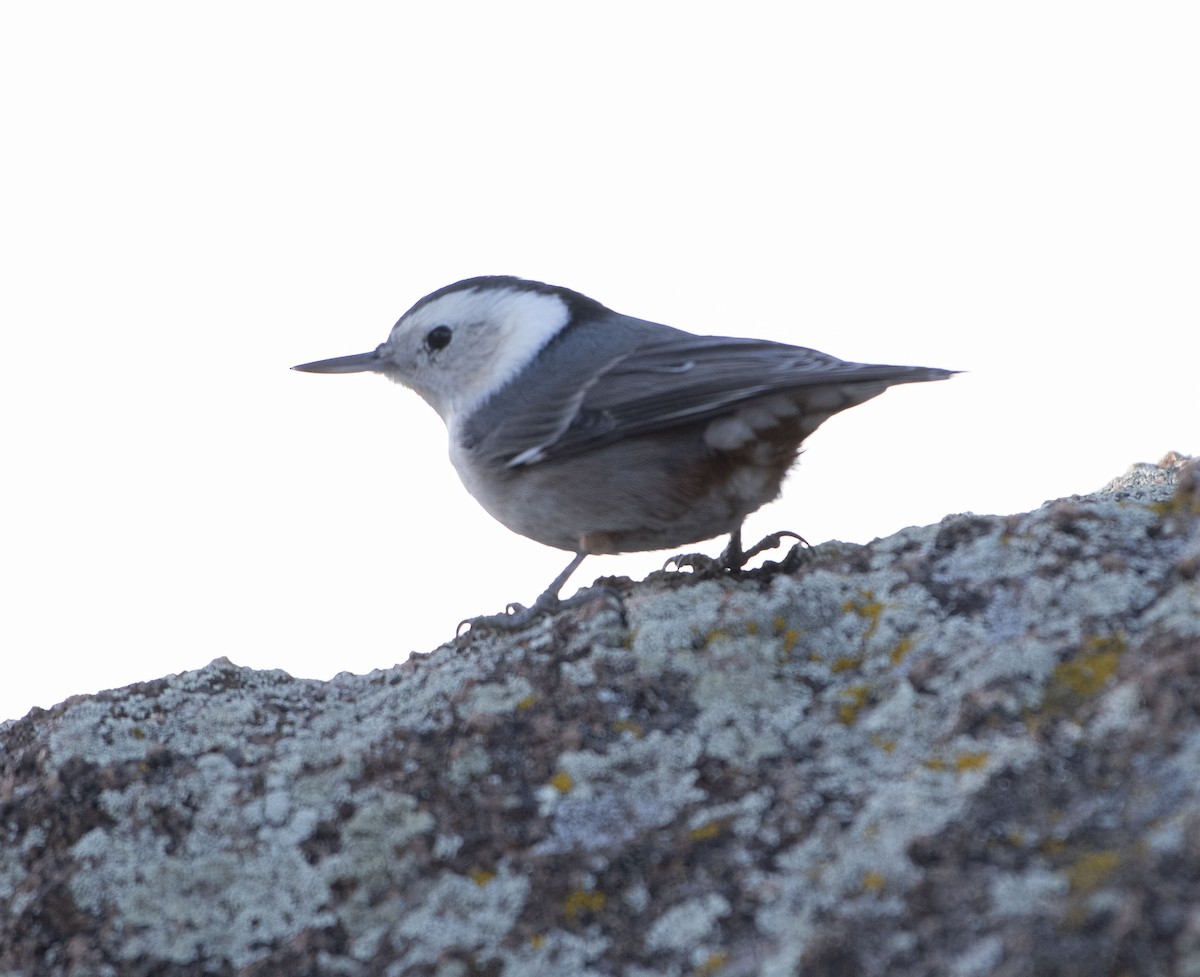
(970, 748)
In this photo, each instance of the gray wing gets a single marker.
(683, 380)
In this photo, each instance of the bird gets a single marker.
(595, 432)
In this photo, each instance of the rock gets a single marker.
(970, 749)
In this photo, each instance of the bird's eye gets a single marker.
(438, 338)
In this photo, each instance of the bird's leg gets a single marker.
(517, 616)
(548, 599)
(731, 558)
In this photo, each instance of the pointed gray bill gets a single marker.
(355, 363)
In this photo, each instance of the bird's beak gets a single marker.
(356, 363)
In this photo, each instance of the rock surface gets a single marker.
(969, 749)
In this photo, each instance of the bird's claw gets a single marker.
(771, 542)
(517, 616)
(732, 559)
(512, 618)
(696, 562)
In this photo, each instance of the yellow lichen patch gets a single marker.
(562, 782)
(784, 656)
(845, 663)
(874, 881)
(719, 634)
(857, 696)
(629, 726)
(1182, 503)
(752, 627)
(710, 829)
(866, 607)
(580, 901)
(1090, 871)
(537, 941)
(961, 764)
(481, 876)
(900, 652)
(527, 703)
(1087, 673)
(885, 744)
(712, 963)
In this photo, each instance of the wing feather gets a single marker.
(680, 381)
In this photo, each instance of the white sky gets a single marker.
(197, 197)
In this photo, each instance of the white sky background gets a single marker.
(197, 197)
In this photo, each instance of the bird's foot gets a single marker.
(772, 541)
(517, 616)
(733, 558)
(699, 563)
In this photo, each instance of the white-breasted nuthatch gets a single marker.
(594, 432)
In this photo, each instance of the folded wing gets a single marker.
(682, 381)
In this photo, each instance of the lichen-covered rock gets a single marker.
(969, 749)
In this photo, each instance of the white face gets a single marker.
(460, 348)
